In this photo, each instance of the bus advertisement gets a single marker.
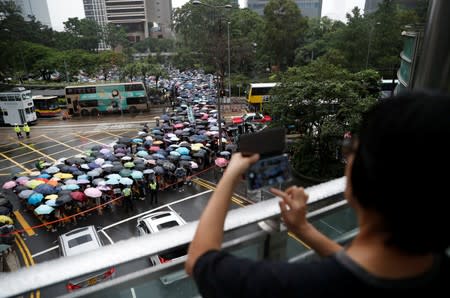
(94, 99)
(17, 106)
(46, 106)
(257, 94)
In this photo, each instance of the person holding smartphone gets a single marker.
(400, 206)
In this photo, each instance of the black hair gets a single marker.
(401, 168)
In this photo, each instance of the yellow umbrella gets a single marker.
(6, 220)
(51, 197)
(157, 142)
(33, 183)
(196, 146)
(63, 175)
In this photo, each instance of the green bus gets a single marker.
(103, 98)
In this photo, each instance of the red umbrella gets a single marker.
(178, 125)
(42, 179)
(154, 148)
(78, 196)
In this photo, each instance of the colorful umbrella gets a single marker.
(93, 192)
(52, 203)
(6, 220)
(9, 185)
(221, 162)
(78, 196)
(129, 164)
(35, 199)
(25, 194)
(51, 197)
(43, 209)
(70, 187)
(22, 180)
(126, 181)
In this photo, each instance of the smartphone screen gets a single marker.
(268, 172)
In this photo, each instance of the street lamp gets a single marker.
(219, 116)
(229, 63)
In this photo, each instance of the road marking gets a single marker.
(91, 140)
(52, 139)
(15, 162)
(118, 135)
(212, 188)
(152, 210)
(24, 257)
(107, 236)
(37, 151)
(171, 209)
(133, 294)
(24, 223)
(45, 251)
(27, 251)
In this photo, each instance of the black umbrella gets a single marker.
(180, 172)
(160, 162)
(124, 140)
(74, 160)
(119, 146)
(159, 170)
(139, 167)
(4, 210)
(112, 158)
(96, 148)
(4, 201)
(19, 188)
(62, 199)
(185, 164)
(116, 168)
(78, 173)
(173, 158)
(165, 117)
(89, 159)
(169, 166)
(107, 170)
(186, 157)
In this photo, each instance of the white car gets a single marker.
(78, 241)
(157, 222)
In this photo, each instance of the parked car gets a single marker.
(251, 117)
(78, 241)
(157, 222)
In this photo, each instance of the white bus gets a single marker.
(17, 106)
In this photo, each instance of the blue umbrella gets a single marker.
(136, 175)
(44, 209)
(112, 182)
(84, 176)
(175, 153)
(142, 153)
(45, 189)
(183, 151)
(44, 175)
(93, 165)
(25, 194)
(70, 187)
(35, 199)
(137, 141)
(52, 170)
(158, 156)
(114, 176)
(186, 157)
(126, 181)
(53, 203)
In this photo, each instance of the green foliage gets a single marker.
(114, 35)
(86, 33)
(322, 101)
(154, 45)
(283, 30)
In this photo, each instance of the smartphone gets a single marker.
(268, 172)
(268, 142)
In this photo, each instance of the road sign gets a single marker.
(190, 115)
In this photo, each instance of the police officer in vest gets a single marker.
(18, 131)
(153, 185)
(26, 129)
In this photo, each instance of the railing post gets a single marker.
(276, 241)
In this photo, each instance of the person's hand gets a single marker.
(239, 163)
(293, 207)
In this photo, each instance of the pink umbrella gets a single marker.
(93, 192)
(104, 187)
(194, 165)
(22, 180)
(221, 162)
(154, 148)
(9, 185)
(179, 125)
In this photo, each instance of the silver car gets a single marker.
(78, 241)
(156, 222)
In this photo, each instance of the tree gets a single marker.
(322, 101)
(86, 33)
(114, 35)
(284, 26)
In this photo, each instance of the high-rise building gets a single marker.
(309, 8)
(96, 10)
(35, 8)
(159, 14)
(372, 5)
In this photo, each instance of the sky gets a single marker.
(61, 10)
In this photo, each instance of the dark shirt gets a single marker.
(219, 274)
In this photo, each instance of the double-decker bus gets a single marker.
(46, 106)
(258, 94)
(17, 106)
(93, 99)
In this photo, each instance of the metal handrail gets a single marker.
(55, 271)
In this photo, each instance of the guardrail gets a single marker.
(56, 271)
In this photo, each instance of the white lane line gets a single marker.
(153, 210)
(171, 209)
(45, 251)
(107, 236)
(133, 293)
